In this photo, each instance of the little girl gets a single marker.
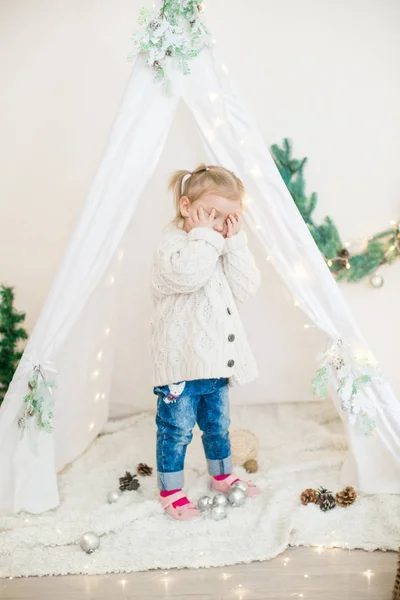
(202, 271)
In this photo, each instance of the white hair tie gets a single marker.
(184, 180)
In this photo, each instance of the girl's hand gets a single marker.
(233, 223)
(199, 218)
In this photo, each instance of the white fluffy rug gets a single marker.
(300, 446)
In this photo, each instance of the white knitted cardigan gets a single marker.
(198, 281)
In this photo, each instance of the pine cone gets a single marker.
(144, 469)
(346, 497)
(128, 482)
(251, 465)
(325, 500)
(344, 257)
(309, 495)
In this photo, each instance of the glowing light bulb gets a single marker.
(348, 265)
(107, 330)
(300, 272)
(122, 583)
(368, 574)
(213, 96)
(392, 222)
(91, 425)
(306, 576)
(392, 248)
(347, 244)
(329, 263)
(210, 135)
(256, 172)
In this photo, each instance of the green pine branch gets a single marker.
(11, 334)
(382, 248)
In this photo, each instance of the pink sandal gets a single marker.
(187, 512)
(224, 485)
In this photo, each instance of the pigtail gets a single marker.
(175, 184)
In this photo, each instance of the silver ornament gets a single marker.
(218, 512)
(89, 542)
(113, 496)
(220, 500)
(204, 503)
(236, 497)
(241, 485)
(376, 280)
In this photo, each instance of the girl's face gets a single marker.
(223, 208)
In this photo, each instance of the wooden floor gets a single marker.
(298, 573)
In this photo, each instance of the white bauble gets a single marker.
(113, 496)
(376, 280)
(89, 542)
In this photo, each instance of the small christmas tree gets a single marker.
(11, 334)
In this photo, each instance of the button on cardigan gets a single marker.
(198, 281)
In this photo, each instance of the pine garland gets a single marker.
(11, 334)
(381, 248)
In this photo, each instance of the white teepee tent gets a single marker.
(82, 307)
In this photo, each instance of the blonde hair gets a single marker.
(204, 180)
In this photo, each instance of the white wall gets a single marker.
(324, 74)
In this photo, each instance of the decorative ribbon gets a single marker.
(38, 402)
(349, 369)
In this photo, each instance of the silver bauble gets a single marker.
(220, 500)
(241, 485)
(89, 542)
(236, 497)
(376, 280)
(204, 503)
(113, 496)
(218, 512)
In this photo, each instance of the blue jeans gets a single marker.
(179, 407)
